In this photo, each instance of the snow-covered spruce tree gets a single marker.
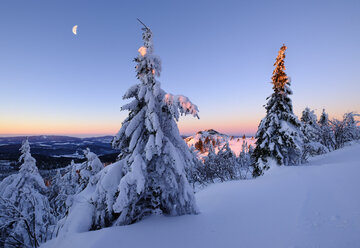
(345, 130)
(63, 186)
(326, 133)
(195, 171)
(78, 185)
(352, 130)
(222, 166)
(227, 163)
(312, 134)
(279, 136)
(88, 169)
(72, 180)
(25, 214)
(210, 169)
(151, 149)
(245, 161)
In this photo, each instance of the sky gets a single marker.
(218, 53)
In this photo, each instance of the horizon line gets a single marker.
(94, 135)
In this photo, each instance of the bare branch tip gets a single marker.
(142, 23)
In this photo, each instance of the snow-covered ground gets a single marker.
(315, 205)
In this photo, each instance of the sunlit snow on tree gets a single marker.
(279, 138)
(154, 154)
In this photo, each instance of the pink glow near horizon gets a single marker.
(85, 128)
(98, 131)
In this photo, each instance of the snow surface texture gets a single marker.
(315, 205)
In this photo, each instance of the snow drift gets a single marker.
(314, 205)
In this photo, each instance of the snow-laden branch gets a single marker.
(179, 104)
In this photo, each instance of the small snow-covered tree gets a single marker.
(104, 197)
(345, 130)
(153, 156)
(219, 167)
(71, 181)
(227, 163)
(194, 172)
(243, 153)
(210, 169)
(88, 169)
(25, 214)
(63, 186)
(279, 136)
(352, 130)
(309, 118)
(312, 134)
(326, 133)
(245, 160)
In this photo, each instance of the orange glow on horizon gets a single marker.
(82, 125)
(96, 129)
(35, 127)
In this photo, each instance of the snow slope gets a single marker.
(315, 205)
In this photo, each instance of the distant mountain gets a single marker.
(38, 139)
(203, 139)
(51, 138)
(56, 146)
(55, 151)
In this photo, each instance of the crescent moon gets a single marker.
(74, 29)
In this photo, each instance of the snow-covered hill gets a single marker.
(314, 205)
(203, 139)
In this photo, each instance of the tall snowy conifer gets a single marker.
(25, 214)
(151, 147)
(279, 136)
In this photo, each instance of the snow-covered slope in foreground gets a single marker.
(316, 205)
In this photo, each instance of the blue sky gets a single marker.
(218, 53)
